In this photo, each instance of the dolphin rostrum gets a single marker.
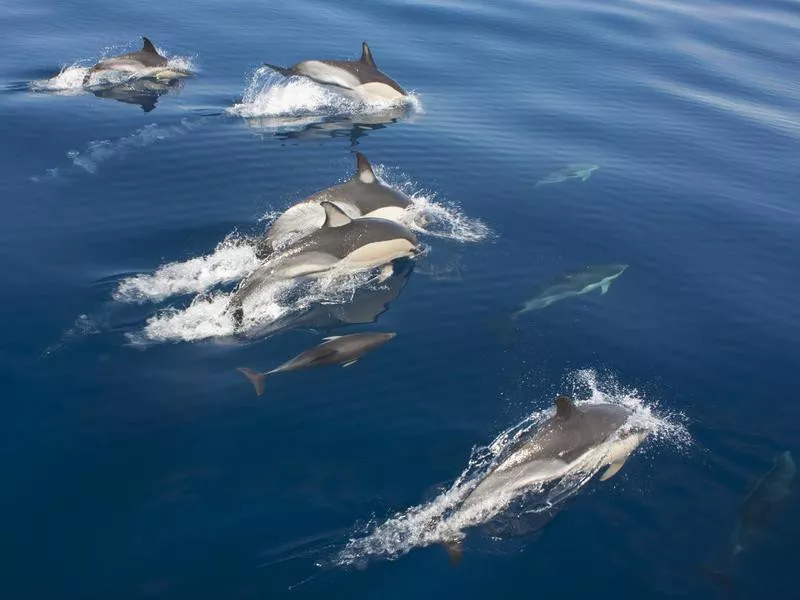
(360, 76)
(341, 243)
(146, 62)
(576, 439)
(363, 195)
(574, 283)
(343, 349)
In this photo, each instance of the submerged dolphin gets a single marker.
(582, 172)
(760, 504)
(146, 62)
(758, 509)
(363, 195)
(335, 350)
(574, 283)
(341, 243)
(575, 439)
(360, 76)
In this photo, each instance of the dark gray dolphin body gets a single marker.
(363, 195)
(147, 58)
(337, 350)
(574, 283)
(574, 438)
(341, 242)
(360, 76)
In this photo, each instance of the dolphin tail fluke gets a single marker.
(455, 551)
(282, 70)
(257, 379)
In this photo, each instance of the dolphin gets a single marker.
(360, 76)
(146, 62)
(574, 283)
(363, 195)
(582, 172)
(758, 508)
(341, 243)
(575, 439)
(339, 349)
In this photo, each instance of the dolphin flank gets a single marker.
(344, 350)
(360, 76)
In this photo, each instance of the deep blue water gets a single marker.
(136, 462)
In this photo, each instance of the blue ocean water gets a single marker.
(137, 463)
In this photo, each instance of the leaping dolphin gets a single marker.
(364, 195)
(360, 76)
(341, 243)
(575, 439)
(146, 62)
(335, 350)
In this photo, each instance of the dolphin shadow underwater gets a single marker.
(142, 92)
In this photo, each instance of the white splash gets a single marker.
(208, 316)
(444, 519)
(293, 101)
(231, 260)
(433, 217)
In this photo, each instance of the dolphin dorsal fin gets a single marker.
(364, 170)
(565, 407)
(334, 216)
(148, 46)
(366, 55)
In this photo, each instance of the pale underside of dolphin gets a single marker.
(341, 244)
(146, 62)
(363, 195)
(359, 76)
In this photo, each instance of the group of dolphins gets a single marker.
(147, 71)
(363, 225)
